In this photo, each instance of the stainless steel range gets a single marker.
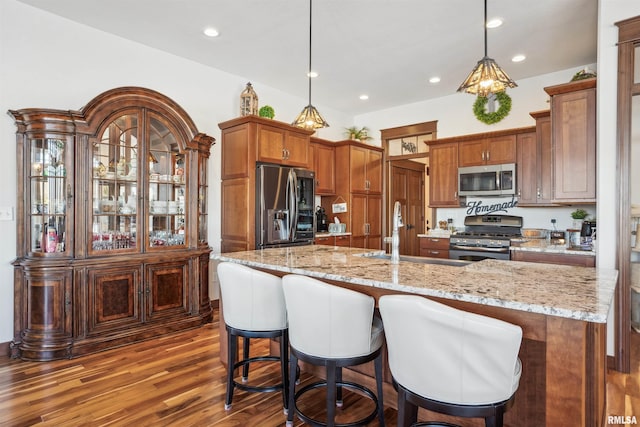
(485, 236)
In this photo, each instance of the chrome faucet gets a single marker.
(395, 236)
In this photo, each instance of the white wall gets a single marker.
(51, 62)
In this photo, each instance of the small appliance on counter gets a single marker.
(321, 220)
(556, 237)
(587, 233)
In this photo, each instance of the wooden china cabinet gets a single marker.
(111, 216)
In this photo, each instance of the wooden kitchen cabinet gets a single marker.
(554, 258)
(493, 150)
(573, 134)
(111, 223)
(434, 247)
(359, 183)
(365, 164)
(443, 175)
(333, 240)
(534, 163)
(324, 165)
(282, 146)
(245, 141)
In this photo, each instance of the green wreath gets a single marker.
(490, 118)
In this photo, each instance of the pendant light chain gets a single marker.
(485, 29)
(310, 33)
(310, 118)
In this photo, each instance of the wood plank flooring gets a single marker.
(179, 381)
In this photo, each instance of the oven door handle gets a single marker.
(478, 249)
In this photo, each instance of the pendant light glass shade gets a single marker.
(310, 118)
(487, 76)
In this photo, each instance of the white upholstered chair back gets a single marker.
(329, 321)
(252, 300)
(450, 355)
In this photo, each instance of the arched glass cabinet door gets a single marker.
(114, 188)
(167, 188)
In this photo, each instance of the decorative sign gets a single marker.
(339, 207)
(490, 205)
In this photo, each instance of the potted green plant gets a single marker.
(578, 217)
(359, 134)
(267, 111)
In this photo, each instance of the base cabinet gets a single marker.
(552, 258)
(434, 247)
(330, 240)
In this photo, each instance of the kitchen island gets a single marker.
(562, 311)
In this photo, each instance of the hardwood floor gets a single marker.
(179, 380)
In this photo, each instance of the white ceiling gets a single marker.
(387, 49)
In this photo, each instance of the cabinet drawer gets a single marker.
(552, 258)
(343, 241)
(435, 243)
(434, 253)
(328, 240)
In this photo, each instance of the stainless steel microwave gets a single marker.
(489, 180)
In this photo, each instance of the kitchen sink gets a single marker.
(422, 260)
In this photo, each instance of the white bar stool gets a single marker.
(333, 327)
(253, 307)
(450, 361)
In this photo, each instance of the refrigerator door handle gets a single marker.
(293, 201)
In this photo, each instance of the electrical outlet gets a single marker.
(553, 220)
(6, 213)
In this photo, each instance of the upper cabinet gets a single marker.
(111, 223)
(491, 150)
(573, 133)
(443, 175)
(534, 163)
(365, 165)
(324, 165)
(282, 146)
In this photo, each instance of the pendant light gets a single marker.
(310, 118)
(487, 76)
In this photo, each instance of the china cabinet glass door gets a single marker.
(115, 186)
(167, 187)
(50, 194)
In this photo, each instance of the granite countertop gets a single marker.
(327, 234)
(542, 245)
(557, 290)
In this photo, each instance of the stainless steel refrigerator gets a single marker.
(284, 206)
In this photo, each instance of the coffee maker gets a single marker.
(587, 232)
(321, 220)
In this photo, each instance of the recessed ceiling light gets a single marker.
(312, 74)
(434, 79)
(211, 32)
(518, 58)
(494, 23)
(364, 97)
